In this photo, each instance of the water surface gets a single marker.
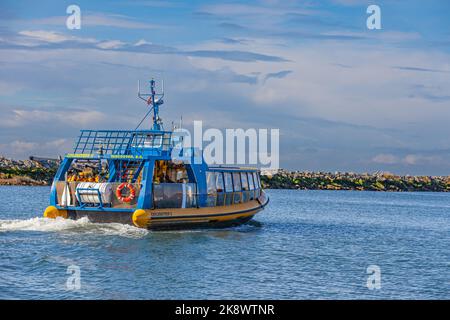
(305, 245)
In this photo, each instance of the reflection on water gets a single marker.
(305, 245)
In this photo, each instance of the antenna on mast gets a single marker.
(155, 100)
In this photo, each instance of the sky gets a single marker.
(344, 97)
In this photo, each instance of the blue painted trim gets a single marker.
(77, 192)
(65, 165)
(112, 170)
(104, 209)
(145, 200)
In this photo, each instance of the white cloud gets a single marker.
(22, 149)
(252, 10)
(52, 36)
(419, 159)
(97, 20)
(21, 118)
(385, 159)
(142, 42)
(369, 104)
(117, 21)
(47, 36)
(409, 159)
(113, 44)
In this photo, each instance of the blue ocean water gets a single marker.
(305, 245)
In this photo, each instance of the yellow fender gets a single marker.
(53, 212)
(141, 218)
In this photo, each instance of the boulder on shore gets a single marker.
(378, 181)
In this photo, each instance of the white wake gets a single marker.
(82, 225)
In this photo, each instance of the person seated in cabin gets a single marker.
(80, 177)
(180, 177)
(94, 176)
(71, 175)
(166, 178)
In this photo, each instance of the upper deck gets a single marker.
(117, 144)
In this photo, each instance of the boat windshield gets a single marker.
(153, 141)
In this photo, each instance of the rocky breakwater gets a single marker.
(27, 172)
(352, 181)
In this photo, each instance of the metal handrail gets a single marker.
(121, 142)
(77, 192)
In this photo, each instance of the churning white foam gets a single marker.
(82, 225)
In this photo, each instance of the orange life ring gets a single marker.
(131, 190)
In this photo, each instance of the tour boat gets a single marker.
(133, 177)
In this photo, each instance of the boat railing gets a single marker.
(91, 195)
(94, 193)
(122, 142)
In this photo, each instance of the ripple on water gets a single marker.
(305, 245)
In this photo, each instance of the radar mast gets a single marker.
(154, 100)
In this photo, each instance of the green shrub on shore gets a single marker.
(31, 172)
(26, 172)
(352, 181)
(36, 176)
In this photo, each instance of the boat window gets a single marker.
(166, 138)
(211, 188)
(219, 182)
(153, 141)
(220, 188)
(174, 195)
(167, 195)
(259, 180)
(244, 181)
(237, 181)
(228, 182)
(255, 178)
(169, 172)
(250, 181)
(191, 191)
(211, 178)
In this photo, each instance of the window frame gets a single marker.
(211, 182)
(244, 174)
(238, 180)
(221, 195)
(220, 174)
(237, 198)
(226, 185)
(252, 185)
(255, 179)
(259, 179)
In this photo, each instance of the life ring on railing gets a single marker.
(131, 191)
